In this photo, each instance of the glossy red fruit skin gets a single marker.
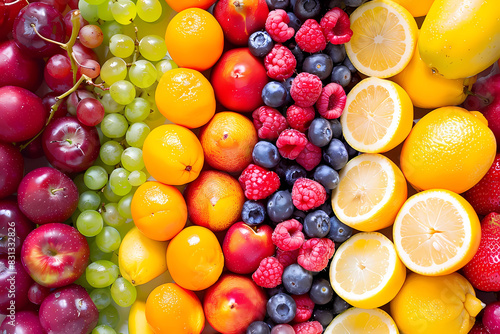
(14, 227)
(485, 195)
(24, 322)
(491, 318)
(238, 78)
(18, 69)
(11, 169)
(12, 272)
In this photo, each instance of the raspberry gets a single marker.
(310, 327)
(332, 101)
(299, 118)
(287, 258)
(310, 157)
(268, 275)
(268, 122)
(315, 253)
(290, 143)
(288, 235)
(306, 89)
(280, 63)
(336, 26)
(258, 182)
(310, 37)
(277, 26)
(307, 194)
(305, 307)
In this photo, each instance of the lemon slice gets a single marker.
(377, 117)
(436, 232)
(356, 320)
(383, 40)
(370, 193)
(366, 270)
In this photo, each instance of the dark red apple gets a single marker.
(14, 227)
(14, 285)
(37, 293)
(11, 169)
(245, 246)
(18, 68)
(238, 79)
(24, 322)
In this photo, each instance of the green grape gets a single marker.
(111, 215)
(103, 329)
(89, 200)
(137, 110)
(95, 177)
(109, 316)
(124, 206)
(111, 28)
(142, 73)
(100, 163)
(152, 47)
(122, 91)
(109, 195)
(108, 240)
(137, 177)
(149, 10)
(136, 134)
(111, 152)
(94, 2)
(97, 254)
(163, 66)
(149, 95)
(114, 126)
(118, 182)
(102, 273)
(80, 184)
(88, 11)
(123, 11)
(121, 45)
(101, 298)
(114, 70)
(110, 105)
(104, 10)
(132, 159)
(89, 223)
(123, 292)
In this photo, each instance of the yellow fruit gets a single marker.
(436, 232)
(141, 259)
(460, 38)
(370, 193)
(366, 270)
(417, 8)
(137, 323)
(442, 305)
(383, 40)
(357, 320)
(449, 148)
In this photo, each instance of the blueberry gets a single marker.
(260, 43)
(253, 213)
(324, 317)
(354, 3)
(349, 65)
(327, 176)
(299, 215)
(321, 292)
(281, 308)
(293, 173)
(274, 291)
(339, 232)
(341, 75)
(320, 132)
(274, 94)
(327, 207)
(316, 224)
(339, 305)
(277, 4)
(336, 52)
(297, 53)
(336, 128)
(297, 280)
(265, 154)
(295, 23)
(280, 206)
(350, 151)
(288, 83)
(258, 327)
(336, 154)
(319, 64)
(307, 9)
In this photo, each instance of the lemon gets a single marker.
(366, 271)
(141, 259)
(370, 192)
(443, 304)
(416, 8)
(357, 320)
(449, 148)
(377, 117)
(383, 40)
(137, 323)
(436, 232)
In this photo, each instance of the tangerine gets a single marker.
(180, 5)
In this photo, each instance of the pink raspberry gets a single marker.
(310, 327)
(310, 37)
(288, 235)
(299, 118)
(287, 258)
(305, 307)
(258, 182)
(315, 254)
(268, 122)
(307, 194)
(310, 157)
(280, 63)
(336, 26)
(306, 89)
(290, 143)
(277, 26)
(332, 101)
(269, 273)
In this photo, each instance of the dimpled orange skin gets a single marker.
(194, 258)
(180, 5)
(194, 39)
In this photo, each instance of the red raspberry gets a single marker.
(310, 157)
(268, 122)
(310, 37)
(306, 89)
(269, 273)
(287, 258)
(280, 63)
(336, 26)
(315, 253)
(305, 307)
(332, 101)
(310, 327)
(277, 26)
(290, 143)
(258, 182)
(307, 194)
(288, 235)
(299, 118)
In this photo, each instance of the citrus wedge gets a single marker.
(436, 232)
(357, 320)
(370, 193)
(366, 271)
(377, 117)
(383, 40)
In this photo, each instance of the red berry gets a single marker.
(277, 26)
(306, 89)
(336, 26)
(305, 307)
(310, 327)
(258, 182)
(310, 157)
(290, 143)
(280, 63)
(287, 258)
(299, 118)
(288, 235)
(332, 101)
(310, 37)
(268, 122)
(307, 194)
(479, 328)
(315, 254)
(269, 273)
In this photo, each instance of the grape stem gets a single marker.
(14, 2)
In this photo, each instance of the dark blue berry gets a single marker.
(281, 308)
(336, 128)
(288, 83)
(293, 173)
(253, 213)
(321, 292)
(336, 154)
(324, 317)
(280, 206)
(258, 327)
(339, 232)
(274, 94)
(354, 3)
(295, 23)
(260, 43)
(299, 215)
(307, 9)
(320, 132)
(327, 207)
(274, 291)
(319, 64)
(347, 63)
(350, 151)
(265, 154)
(340, 305)
(327, 176)
(297, 53)
(316, 224)
(297, 280)
(277, 4)
(336, 52)
(341, 75)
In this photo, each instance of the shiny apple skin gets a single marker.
(14, 227)
(11, 169)
(25, 322)
(12, 272)
(18, 69)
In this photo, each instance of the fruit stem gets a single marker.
(485, 100)
(136, 42)
(53, 191)
(14, 2)
(45, 38)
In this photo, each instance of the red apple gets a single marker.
(245, 246)
(238, 79)
(233, 303)
(14, 285)
(22, 322)
(18, 68)
(11, 169)
(55, 255)
(14, 227)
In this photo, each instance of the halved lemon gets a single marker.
(366, 271)
(370, 193)
(383, 40)
(436, 232)
(377, 117)
(357, 320)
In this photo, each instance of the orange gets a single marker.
(185, 97)
(173, 154)
(180, 5)
(194, 39)
(194, 258)
(170, 309)
(158, 210)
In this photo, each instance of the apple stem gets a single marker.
(14, 2)
(45, 38)
(485, 100)
(54, 191)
